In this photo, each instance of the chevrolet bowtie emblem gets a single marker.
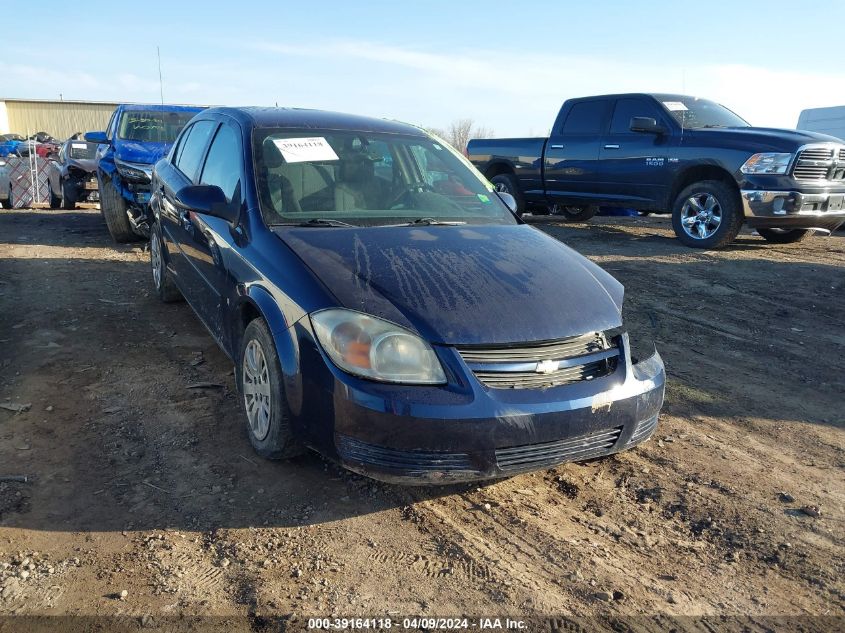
(547, 367)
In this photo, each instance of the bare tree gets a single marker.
(460, 131)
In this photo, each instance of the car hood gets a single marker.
(761, 138)
(462, 284)
(85, 164)
(136, 152)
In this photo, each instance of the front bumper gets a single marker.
(793, 209)
(433, 435)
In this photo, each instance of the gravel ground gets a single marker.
(145, 501)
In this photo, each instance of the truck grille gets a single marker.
(542, 365)
(824, 162)
(533, 456)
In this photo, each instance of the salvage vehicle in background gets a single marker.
(383, 304)
(9, 144)
(136, 137)
(72, 176)
(654, 152)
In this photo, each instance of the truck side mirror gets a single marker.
(646, 124)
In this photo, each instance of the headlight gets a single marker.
(375, 349)
(767, 163)
(138, 172)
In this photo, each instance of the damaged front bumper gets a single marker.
(437, 435)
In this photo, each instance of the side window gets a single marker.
(110, 126)
(628, 108)
(193, 148)
(223, 165)
(586, 117)
(180, 143)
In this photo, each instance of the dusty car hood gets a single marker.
(465, 284)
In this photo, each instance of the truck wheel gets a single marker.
(785, 236)
(162, 279)
(573, 214)
(506, 183)
(707, 214)
(68, 196)
(113, 207)
(265, 407)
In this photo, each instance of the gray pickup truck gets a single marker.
(668, 152)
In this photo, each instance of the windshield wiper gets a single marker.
(318, 222)
(433, 222)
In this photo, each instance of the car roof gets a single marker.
(154, 107)
(314, 119)
(660, 96)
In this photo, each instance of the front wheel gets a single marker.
(707, 214)
(113, 208)
(55, 201)
(572, 213)
(506, 183)
(68, 196)
(785, 236)
(262, 392)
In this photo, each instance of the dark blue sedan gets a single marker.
(383, 304)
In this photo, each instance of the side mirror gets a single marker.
(207, 199)
(646, 124)
(96, 137)
(508, 199)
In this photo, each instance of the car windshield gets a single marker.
(692, 114)
(81, 150)
(152, 126)
(365, 178)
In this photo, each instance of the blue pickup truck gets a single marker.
(137, 136)
(668, 152)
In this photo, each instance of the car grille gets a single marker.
(644, 430)
(519, 458)
(820, 163)
(410, 462)
(542, 365)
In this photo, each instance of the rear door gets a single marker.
(635, 168)
(571, 160)
(176, 227)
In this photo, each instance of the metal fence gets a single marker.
(22, 173)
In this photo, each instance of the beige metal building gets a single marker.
(60, 119)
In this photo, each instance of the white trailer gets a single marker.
(829, 121)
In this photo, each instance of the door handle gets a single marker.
(611, 146)
(557, 146)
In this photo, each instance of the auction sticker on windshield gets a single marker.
(674, 106)
(300, 150)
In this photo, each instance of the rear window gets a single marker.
(586, 117)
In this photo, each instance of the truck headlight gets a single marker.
(767, 163)
(135, 172)
(372, 348)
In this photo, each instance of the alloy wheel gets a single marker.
(701, 216)
(156, 260)
(256, 389)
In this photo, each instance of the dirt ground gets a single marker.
(141, 482)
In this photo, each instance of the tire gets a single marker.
(162, 279)
(55, 201)
(271, 435)
(573, 213)
(11, 198)
(113, 207)
(712, 211)
(68, 196)
(785, 236)
(507, 183)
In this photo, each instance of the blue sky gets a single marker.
(506, 65)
